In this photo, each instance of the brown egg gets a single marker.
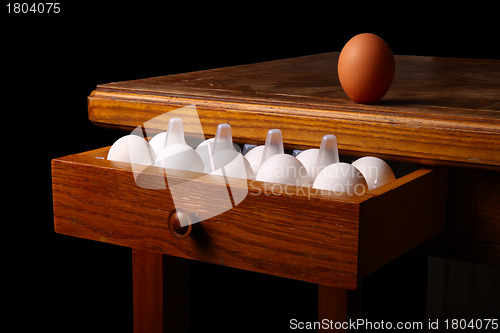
(366, 68)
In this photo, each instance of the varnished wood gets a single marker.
(148, 291)
(438, 110)
(294, 232)
(160, 293)
(392, 217)
(332, 308)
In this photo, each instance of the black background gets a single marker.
(52, 62)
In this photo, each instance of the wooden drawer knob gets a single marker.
(174, 224)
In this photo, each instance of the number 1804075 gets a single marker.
(34, 8)
(473, 324)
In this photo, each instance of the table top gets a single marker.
(437, 111)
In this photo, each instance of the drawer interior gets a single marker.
(289, 231)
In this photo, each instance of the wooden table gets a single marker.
(441, 113)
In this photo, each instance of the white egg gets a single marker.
(206, 149)
(211, 141)
(316, 159)
(223, 141)
(308, 158)
(283, 169)
(341, 178)
(131, 149)
(375, 170)
(254, 157)
(229, 163)
(274, 145)
(179, 156)
(158, 142)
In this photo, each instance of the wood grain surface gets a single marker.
(288, 232)
(160, 287)
(437, 111)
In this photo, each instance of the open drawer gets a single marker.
(324, 238)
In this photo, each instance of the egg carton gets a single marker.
(318, 168)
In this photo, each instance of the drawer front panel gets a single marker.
(296, 236)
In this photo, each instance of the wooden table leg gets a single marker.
(160, 293)
(332, 305)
